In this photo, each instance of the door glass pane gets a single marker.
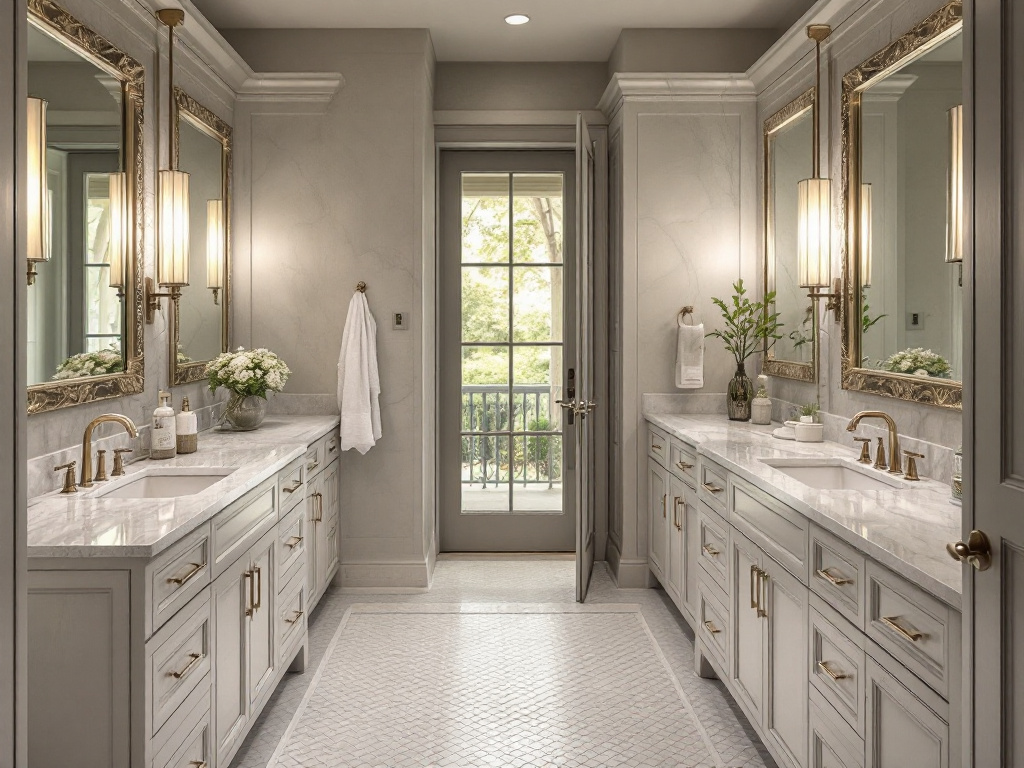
(485, 391)
(537, 217)
(485, 304)
(537, 384)
(537, 304)
(485, 221)
(485, 474)
(537, 473)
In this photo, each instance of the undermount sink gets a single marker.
(168, 483)
(834, 475)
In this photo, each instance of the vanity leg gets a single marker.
(299, 662)
(701, 666)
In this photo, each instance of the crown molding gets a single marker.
(672, 86)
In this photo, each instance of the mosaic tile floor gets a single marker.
(609, 697)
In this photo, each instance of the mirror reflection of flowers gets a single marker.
(182, 357)
(918, 362)
(250, 373)
(97, 363)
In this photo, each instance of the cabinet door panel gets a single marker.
(676, 555)
(657, 499)
(747, 667)
(262, 625)
(786, 716)
(230, 599)
(313, 487)
(691, 554)
(901, 731)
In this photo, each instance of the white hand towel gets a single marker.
(690, 356)
(358, 378)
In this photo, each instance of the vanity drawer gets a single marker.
(191, 746)
(178, 575)
(242, 524)
(836, 573)
(332, 447)
(713, 540)
(837, 663)
(833, 743)
(290, 482)
(683, 462)
(713, 627)
(713, 483)
(913, 626)
(316, 458)
(178, 659)
(657, 445)
(291, 544)
(291, 618)
(780, 531)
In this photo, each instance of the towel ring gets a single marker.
(684, 313)
(361, 286)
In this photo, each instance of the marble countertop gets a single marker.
(84, 525)
(905, 529)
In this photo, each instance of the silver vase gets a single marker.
(245, 412)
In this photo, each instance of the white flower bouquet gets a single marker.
(90, 364)
(918, 362)
(248, 373)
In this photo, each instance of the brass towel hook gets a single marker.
(361, 286)
(684, 312)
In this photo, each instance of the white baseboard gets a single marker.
(633, 574)
(404, 575)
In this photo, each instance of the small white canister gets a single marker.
(761, 406)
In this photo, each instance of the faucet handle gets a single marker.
(911, 473)
(865, 449)
(69, 476)
(119, 461)
(101, 466)
(880, 462)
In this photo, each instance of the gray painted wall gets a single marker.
(689, 50)
(519, 86)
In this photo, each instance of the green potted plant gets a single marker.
(748, 326)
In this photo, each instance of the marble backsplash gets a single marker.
(288, 404)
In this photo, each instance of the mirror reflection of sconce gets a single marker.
(38, 201)
(215, 239)
(865, 235)
(955, 191)
(172, 259)
(814, 205)
(120, 230)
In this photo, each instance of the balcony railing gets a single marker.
(510, 436)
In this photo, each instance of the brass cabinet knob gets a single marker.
(977, 551)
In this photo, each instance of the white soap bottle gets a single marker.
(187, 428)
(163, 439)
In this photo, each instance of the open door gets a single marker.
(584, 402)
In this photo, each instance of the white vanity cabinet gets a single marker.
(167, 661)
(323, 507)
(837, 661)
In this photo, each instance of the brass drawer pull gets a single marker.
(676, 519)
(199, 764)
(711, 550)
(182, 580)
(754, 570)
(195, 660)
(313, 466)
(298, 615)
(684, 466)
(250, 609)
(762, 594)
(293, 487)
(655, 447)
(333, 448)
(711, 627)
(259, 589)
(910, 634)
(824, 667)
(836, 581)
(293, 542)
(712, 488)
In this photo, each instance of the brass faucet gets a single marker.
(124, 421)
(896, 457)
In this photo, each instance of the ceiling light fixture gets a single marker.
(517, 19)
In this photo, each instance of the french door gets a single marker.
(507, 347)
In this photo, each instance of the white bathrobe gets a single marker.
(358, 379)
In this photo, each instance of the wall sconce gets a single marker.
(120, 230)
(38, 201)
(215, 247)
(955, 190)
(172, 259)
(865, 235)
(814, 205)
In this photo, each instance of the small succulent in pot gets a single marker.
(748, 327)
(809, 410)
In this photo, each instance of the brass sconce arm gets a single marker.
(153, 299)
(834, 301)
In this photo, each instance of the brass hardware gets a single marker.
(912, 458)
(250, 609)
(977, 551)
(259, 589)
(119, 461)
(711, 550)
(684, 312)
(711, 627)
(865, 449)
(712, 488)
(753, 572)
(762, 594)
(894, 440)
(69, 477)
(910, 634)
(199, 764)
(664, 503)
(361, 286)
(195, 660)
(824, 667)
(684, 466)
(129, 426)
(298, 615)
(101, 466)
(333, 448)
(834, 301)
(675, 514)
(819, 32)
(880, 462)
(153, 297)
(313, 466)
(293, 487)
(836, 581)
(655, 447)
(171, 17)
(193, 572)
(293, 542)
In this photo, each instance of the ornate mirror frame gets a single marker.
(773, 367)
(54, 21)
(946, 394)
(206, 121)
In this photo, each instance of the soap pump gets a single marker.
(187, 428)
(761, 406)
(163, 441)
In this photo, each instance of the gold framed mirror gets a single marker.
(84, 331)
(788, 158)
(901, 115)
(200, 316)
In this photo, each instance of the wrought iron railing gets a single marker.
(510, 435)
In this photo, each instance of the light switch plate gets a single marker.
(915, 321)
(400, 321)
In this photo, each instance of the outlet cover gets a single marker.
(400, 321)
